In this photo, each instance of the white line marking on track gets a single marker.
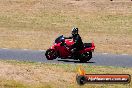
(4, 48)
(25, 49)
(124, 54)
(105, 53)
(41, 50)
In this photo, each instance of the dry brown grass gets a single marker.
(33, 75)
(37, 75)
(34, 24)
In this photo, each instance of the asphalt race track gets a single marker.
(103, 59)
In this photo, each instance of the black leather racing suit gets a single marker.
(78, 45)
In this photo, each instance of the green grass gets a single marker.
(12, 84)
(17, 84)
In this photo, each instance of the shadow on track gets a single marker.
(74, 61)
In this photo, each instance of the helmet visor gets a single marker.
(74, 32)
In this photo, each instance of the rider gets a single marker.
(78, 44)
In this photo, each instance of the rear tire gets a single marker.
(51, 54)
(86, 57)
(90, 54)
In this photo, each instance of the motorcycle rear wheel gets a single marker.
(86, 57)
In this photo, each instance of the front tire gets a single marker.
(51, 54)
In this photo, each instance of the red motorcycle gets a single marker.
(63, 51)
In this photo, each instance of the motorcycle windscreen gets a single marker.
(58, 40)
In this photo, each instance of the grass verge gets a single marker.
(16, 74)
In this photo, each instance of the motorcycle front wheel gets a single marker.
(51, 54)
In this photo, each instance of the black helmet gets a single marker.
(74, 31)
